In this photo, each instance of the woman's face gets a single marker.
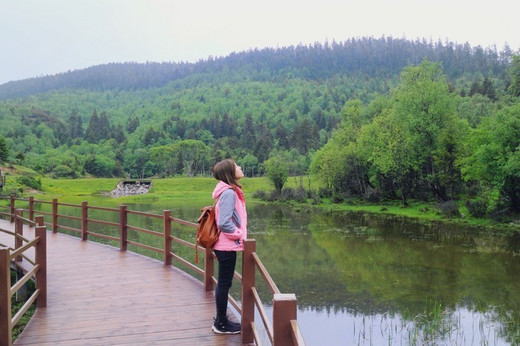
(238, 172)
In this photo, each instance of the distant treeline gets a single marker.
(295, 105)
(381, 58)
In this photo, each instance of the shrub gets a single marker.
(287, 194)
(477, 207)
(260, 194)
(62, 171)
(300, 195)
(449, 208)
(30, 181)
(315, 198)
(324, 192)
(337, 198)
(373, 196)
(274, 196)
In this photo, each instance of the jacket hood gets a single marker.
(222, 186)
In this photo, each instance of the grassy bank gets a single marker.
(197, 191)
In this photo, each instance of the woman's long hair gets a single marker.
(225, 171)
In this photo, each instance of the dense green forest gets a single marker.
(374, 118)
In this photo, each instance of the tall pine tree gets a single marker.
(98, 128)
(91, 133)
(75, 125)
(4, 152)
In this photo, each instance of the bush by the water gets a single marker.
(324, 192)
(298, 194)
(373, 196)
(477, 207)
(449, 208)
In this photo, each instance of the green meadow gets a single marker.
(197, 191)
(169, 189)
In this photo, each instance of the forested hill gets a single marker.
(370, 117)
(365, 58)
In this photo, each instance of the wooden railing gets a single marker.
(284, 328)
(36, 269)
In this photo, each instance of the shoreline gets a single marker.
(197, 189)
(413, 212)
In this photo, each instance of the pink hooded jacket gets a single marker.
(231, 217)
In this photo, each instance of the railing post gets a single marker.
(54, 215)
(248, 282)
(123, 230)
(39, 220)
(284, 311)
(41, 260)
(167, 230)
(11, 206)
(209, 269)
(84, 220)
(18, 230)
(5, 298)
(31, 208)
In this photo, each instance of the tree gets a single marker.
(119, 135)
(385, 145)
(264, 143)
(282, 136)
(98, 128)
(495, 155)
(426, 108)
(75, 125)
(276, 170)
(151, 136)
(104, 126)
(488, 89)
(99, 165)
(132, 125)
(475, 88)
(4, 151)
(305, 136)
(338, 163)
(248, 139)
(249, 164)
(514, 73)
(188, 156)
(166, 159)
(135, 163)
(194, 156)
(20, 157)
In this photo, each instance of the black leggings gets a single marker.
(226, 269)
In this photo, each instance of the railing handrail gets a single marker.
(14, 255)
(283, 330)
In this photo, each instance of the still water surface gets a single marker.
(363, 279)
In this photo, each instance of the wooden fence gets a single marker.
(36, 270)
(284, 328)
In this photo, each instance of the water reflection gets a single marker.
(418, 283)
(371, 280)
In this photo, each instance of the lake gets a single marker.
(363, 279)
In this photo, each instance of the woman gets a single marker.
(231, 218)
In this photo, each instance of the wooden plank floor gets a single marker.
(98, 295)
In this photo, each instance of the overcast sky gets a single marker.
(42, 37)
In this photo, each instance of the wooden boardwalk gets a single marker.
(98, 295)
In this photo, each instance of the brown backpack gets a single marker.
(207, 231)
